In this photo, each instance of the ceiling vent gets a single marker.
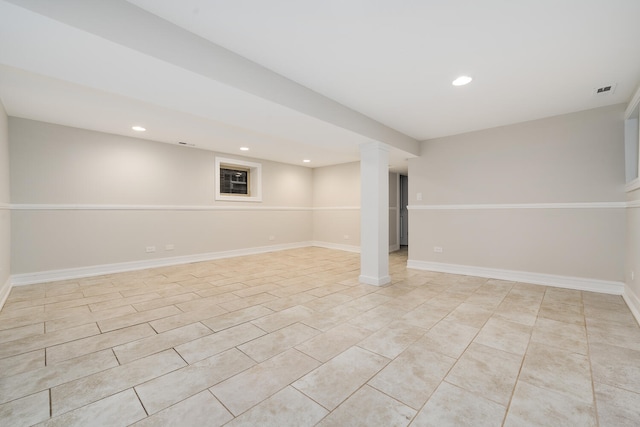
(604, 90)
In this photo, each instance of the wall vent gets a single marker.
(604, 90)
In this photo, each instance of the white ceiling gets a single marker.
(106, 65)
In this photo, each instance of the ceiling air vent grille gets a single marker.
(604, 90)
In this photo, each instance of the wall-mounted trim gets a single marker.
(632, 186)
(98, 270)
(337, 246)
(578, 283)
(336, 208)
(4, 292)
(633, 204)
(47, 207)
(585, 205)
(5, 206)
(635, 101)
(632, 301)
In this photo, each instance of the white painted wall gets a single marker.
(61, 166)
(336, 202)
(633, 254)
(566, 159)
(5, 214)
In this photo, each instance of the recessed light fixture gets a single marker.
(306, 161)
(461, 81)
(138, 128)
(244, 148)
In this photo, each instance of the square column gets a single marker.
(374, 214)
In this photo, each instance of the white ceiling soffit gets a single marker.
(394, 60)
(111, 53)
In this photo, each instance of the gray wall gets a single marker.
(565, 159)
(5, 215)
(57, 165)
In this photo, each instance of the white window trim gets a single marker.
(255, 180)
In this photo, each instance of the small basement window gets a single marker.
(238, 180)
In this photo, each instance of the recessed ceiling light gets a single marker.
(307, 161)
(138, 128)
(244, 148)
(461, 81)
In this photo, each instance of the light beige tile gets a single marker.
(558, 370)
(240, 303)
(183, 319)
(453, 406)
(425, 316)
(369, 407)
(275, 321)
(486, 371)
(235, 318)
(120, 322)
(566, 336)
(91, 388)
(377, 318)
(249, 388)
(333, 342)
(505, 335)
(17, 305)
(94, 343)
(9, 322)
(535, 406)
(203, 303)
(34, 381)
(121, 409)
(277, 342)
(563, 296)
(334, 381)
(21, 363)
(26, 411)
(169, 389)
(209, 345)
(367, 302)
(21, 332)
(36, 342)
(280, 304)
(327, 302)
(200, 410)
(288, 407)
(393, 339)
(413, 376)
(163, 302)
(331, 318)
(155, 343)
(470, 315)
(617, 407)
(562, 312)
(616, 366)
(449, 338)
(89, 317)
(82, 301)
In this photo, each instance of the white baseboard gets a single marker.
(99, 270)
(338, 246)
(578, 283)
(376, 281)
(4, 292)
(632, 301)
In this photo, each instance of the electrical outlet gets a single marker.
(437, 249)
(419, 197)
(272, 237)
(151, 249)
(346, 237)
(169, 247)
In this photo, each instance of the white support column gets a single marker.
(374, 214)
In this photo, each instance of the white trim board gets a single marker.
(4, 292)
(337, 246)
(99, 270)
(578, 283)
(586, 205)
(46, 207)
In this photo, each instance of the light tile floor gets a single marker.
(292, 338)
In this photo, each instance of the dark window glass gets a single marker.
(234, 181)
